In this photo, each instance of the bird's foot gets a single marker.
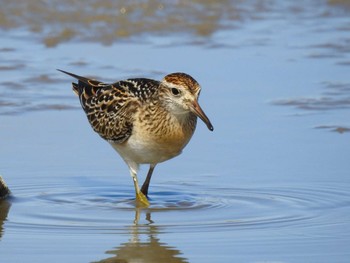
(142, 200)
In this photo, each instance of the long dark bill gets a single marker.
(200, 113)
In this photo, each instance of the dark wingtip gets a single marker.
(87, 81)
(72, 75)
(63, 71)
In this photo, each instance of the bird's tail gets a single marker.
(83, 83)
(80, 78)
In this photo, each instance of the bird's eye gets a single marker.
(175, 91)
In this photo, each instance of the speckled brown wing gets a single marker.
(110, 108)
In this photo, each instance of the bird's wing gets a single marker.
(110, 108)
(110, 112)
(107, 107)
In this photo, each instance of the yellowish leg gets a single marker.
(141, 199)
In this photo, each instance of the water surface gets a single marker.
(270, 184)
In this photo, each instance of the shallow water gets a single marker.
(270, 184)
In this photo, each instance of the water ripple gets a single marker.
(92, 209)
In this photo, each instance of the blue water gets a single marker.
(270, 184)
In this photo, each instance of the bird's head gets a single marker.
(180, 93)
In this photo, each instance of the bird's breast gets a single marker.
(155, 140)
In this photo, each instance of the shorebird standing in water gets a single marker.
(146, 121)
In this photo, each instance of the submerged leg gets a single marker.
(144, 188)
(140, 197)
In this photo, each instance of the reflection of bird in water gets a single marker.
(148, 251)
(146, 121)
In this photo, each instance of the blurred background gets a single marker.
(270, 184)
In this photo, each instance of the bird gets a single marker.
(146, 121)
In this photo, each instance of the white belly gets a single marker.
(145, 151)
(146, 146)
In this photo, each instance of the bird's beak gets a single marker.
(196, 109)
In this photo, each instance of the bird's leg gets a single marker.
(140, 197)
(144, 188)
